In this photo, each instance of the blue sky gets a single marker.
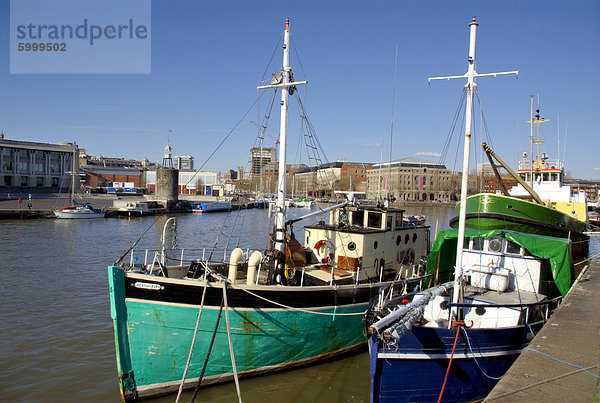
(208, 57)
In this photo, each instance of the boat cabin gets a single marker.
(501, 265)
(372, 240)
(548, 183)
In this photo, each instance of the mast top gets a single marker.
(287, 24)
(474, 21)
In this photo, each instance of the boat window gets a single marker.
(545, 176)
(388, 222)
(512, 247)
(477, 243)
(466, 243)
(374, 220)
(495, 244)
(351, 246)
(522, 176)
(553, 176)
(406, 238)
(414, 237)
(399, 222)
(358, 218)
(536, 176)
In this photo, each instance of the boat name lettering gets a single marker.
(148, 286)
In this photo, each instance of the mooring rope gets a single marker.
(235, 375)
(187, 365)
(449, 364)
(475, 358)
(564, 362)
(303, 310)
(210, 346)
(554, 378)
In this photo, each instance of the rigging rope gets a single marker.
(271, 59)
(163, 211)
(457, 115)
(233, 366)
(210, 346)
(187, 364)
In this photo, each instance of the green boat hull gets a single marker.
(487, 211)
(153, 339)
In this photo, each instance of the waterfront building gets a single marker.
(32, 167)
(184, 162)
(320, 180)
(589, 186)
(192, 182)
(259, 158)
(97, 176)
(412, 179)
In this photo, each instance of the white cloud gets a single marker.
(428, 154)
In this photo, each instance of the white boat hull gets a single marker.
(78, 213)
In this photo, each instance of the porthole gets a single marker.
(375, 244)
(495, 245)
(414, 237)
(480, 310)
(398, 240)
(406, 238)
(351, 246)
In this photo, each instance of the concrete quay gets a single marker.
(572, 335)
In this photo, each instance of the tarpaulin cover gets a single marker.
(556, 250)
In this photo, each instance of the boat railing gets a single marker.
(548, 305)
(398, 290)
(549, 163)
(178, 255)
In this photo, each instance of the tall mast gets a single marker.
(73, 173)
(283, 81)
(469, 88)
(538, 162)
(389, 179)
(531, 148)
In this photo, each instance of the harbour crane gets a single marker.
(263, 129)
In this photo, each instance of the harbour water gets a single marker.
(58, 339)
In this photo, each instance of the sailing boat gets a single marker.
(294, 305)
(456, 340)
(77, 210)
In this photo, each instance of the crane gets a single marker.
(263, 129)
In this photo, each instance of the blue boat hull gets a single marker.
(414, 369)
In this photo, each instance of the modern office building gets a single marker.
(184, 162)
(259, 158)
(31, 167)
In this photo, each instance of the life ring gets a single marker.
(408, 257)
(329, 256)
(547, 165)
